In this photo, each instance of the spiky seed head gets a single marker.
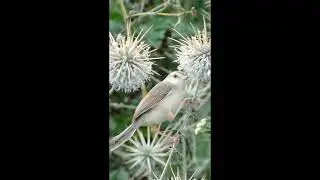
(143, 154)
(130, 64)
(194, 54)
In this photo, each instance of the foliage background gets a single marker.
(120, 117)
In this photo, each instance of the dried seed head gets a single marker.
(129, 62)
(194, 54)
(143, 154)
(178, 176)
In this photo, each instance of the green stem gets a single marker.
(160, 14)
(142, 5)
(160, 7)
(196, 91)
(194, 148)
(164, 69)
(123, 11)
(184, 158)
(184, 149)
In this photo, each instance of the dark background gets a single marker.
(55, 83)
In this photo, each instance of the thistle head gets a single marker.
(180, 176)
(130, 64)
(194, 54)
(143, 155)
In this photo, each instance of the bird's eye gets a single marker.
(174, 76)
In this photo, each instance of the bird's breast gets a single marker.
(160, 112)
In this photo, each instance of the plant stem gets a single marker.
(121, 105)
(144, 91)
(159, 6)
(169, 158)
(164, 69)
(111, 91)
(184, 149)
(159, 13)
(184, 158)
(194, 148)
(123, 11)
(196, 91)
(155, 79)
(142, 5)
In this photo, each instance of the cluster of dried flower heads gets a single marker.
(130, 64)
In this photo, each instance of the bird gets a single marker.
(163, 102)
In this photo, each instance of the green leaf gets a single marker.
(206, 109)
(115, 26)
(135, 101)
(157, 32)
(122, 174)
(202, 148)
(157, 2)
(113, 175)
(112, 124)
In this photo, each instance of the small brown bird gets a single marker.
(162, 103)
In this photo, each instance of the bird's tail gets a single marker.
(125, 135)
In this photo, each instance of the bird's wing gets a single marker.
(154, 96)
